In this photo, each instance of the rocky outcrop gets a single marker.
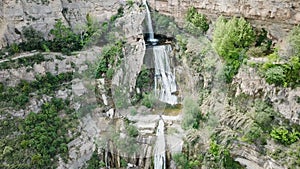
(56, 64)
(277, 16)
(41, 15)
(284, 100)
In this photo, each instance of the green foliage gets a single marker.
(132, 130)
(294, 39)
(23, 62)
(275, 75)
(192, 114)
(183, 162)
(110, 58)
(18, 96)
(129, 3)
(164, 25)
(182, 42)
(284, 136)
(196, 22)
(45, 133)
(282, 74)
(231, 39)
(65, 40)
(38, 138)
(118, 15)
(220, 157)
(255, 135)
(264, 115)
(95, 161)
(143, 81)
(33, 39)
(149, 100)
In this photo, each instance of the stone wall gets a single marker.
(276, 16)
(14, 14)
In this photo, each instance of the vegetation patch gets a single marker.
(24, 62)
(231, 40)
(196, 23)
(110, 59)
(281, 73)
(191, 114)
(18, 96)
(35, 142)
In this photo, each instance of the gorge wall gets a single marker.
(42, 14)
(276, 16)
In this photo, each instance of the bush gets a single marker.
(284, 136)
(285, 74)
(192, 114)
(110, 58)
(95, 161)
(231, 40)
(33, 39)
(275, 75)
(65, 40)
(132, 131)
(149, 100)
(198, 21)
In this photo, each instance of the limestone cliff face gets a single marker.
(42, 15)
(277, 16)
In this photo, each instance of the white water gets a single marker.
(149, 23)
(160, 147)
(164, 81)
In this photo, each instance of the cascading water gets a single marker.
(149, 23)
(160, 147)
(165, 87)
(164, 82)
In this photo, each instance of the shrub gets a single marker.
(231, 39)
(282, 74)
(149, 100)
(192, 114)
(65, 40)
(275, 75)
(33, 39)
(198, 21)
(110, 57)
(284, 136)
(132, 131)
(255, 134)
(95, 161)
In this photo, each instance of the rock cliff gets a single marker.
(277, 16)
(41, 15)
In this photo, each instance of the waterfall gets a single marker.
(164, 80)
(149, 23)
(160, 147)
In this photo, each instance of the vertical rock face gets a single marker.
(276, 16)
(283, 99)
(42, 15)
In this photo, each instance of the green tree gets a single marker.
(33, 39)
(231, 40)
(64, 39)
(196, 22)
